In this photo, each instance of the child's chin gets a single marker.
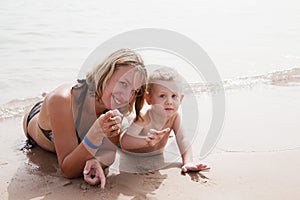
(169, 113)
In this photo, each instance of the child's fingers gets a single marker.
(166, 130)
(150, 137)
(184, 169)
(156, 132)
(203, 167)
(156, 135)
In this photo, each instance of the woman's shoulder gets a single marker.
(59, 96)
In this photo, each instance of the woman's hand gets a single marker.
(93, 173)
(155, 136)
(111, 123)
(194, 167)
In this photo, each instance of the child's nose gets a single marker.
(169, 101)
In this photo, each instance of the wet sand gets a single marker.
(257, 157)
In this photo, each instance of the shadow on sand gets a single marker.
(39, 177)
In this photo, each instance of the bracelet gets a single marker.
(91, 145)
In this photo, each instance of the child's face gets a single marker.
(169, 100)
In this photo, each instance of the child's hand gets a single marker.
(154, 136)
(194, 167)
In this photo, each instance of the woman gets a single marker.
(82, 123)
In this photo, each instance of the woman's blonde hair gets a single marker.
(97, 79)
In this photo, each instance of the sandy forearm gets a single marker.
(94, 137)
(73, 164)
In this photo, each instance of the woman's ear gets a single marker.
(148, 98)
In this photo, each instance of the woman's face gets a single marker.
(121, 87)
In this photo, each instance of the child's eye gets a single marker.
(162, 96)
(174, 96)
(124, 84)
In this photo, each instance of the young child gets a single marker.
(150, 133)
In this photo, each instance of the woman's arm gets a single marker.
(71, 156)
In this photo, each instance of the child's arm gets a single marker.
(131, 140)
(181, 139)
(185, 148)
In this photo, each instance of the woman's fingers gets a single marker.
(92, 179)
(112, 123)
(112, 115)
(89, 173)
(94, 174)
(102, 178)
(87, 168)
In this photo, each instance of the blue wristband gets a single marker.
(86, 140)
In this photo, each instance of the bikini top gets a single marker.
(82, 87)
(78, 100)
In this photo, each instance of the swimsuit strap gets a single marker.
(84, 89)
(35, 110)
(82, 84)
